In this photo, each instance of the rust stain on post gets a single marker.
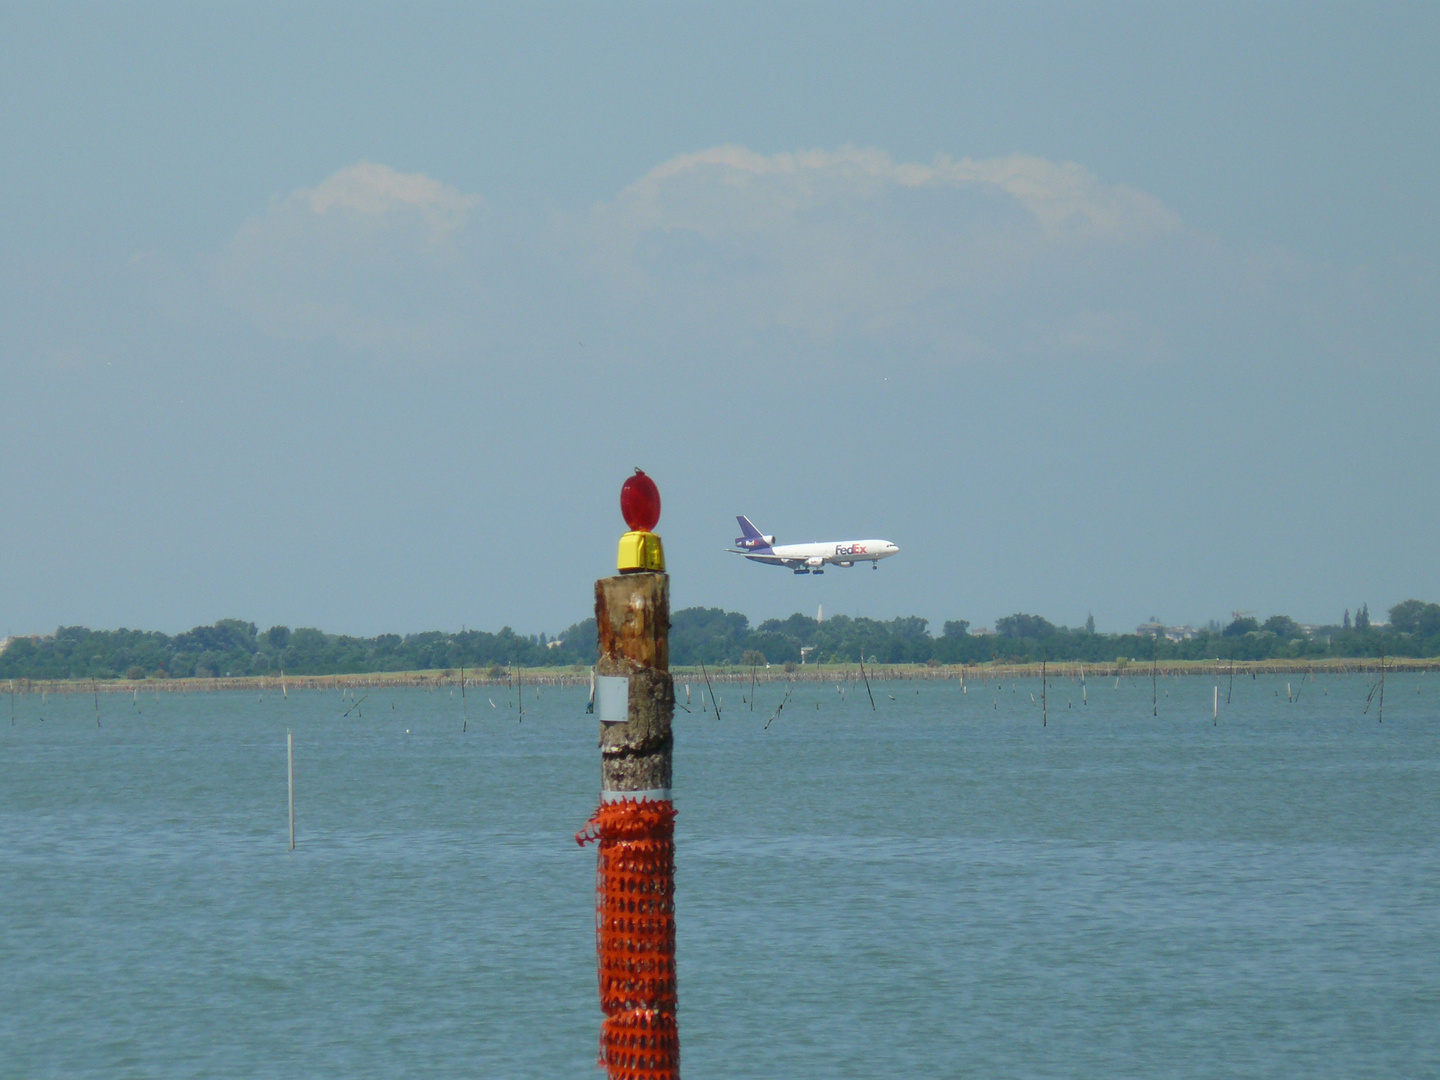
(632, 618)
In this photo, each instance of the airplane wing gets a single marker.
(772, 560)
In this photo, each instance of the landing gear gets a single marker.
(874, 566)
(817, 571)
(802, 570)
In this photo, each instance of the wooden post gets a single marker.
(635, 829)
(632, 618)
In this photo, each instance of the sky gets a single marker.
(357, 316)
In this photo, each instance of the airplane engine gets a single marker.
(815, 560)
(769, 540)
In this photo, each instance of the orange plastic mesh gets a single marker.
(635, 938)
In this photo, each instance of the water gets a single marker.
(939, 888)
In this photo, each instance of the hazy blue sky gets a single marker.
(356, 316)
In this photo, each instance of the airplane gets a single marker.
(808, 558)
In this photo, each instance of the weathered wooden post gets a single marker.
(632, 618)
(635, 823)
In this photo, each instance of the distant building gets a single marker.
(1155, 628)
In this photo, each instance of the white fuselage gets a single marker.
(839, 553)
(813, 558)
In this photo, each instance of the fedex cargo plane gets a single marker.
(808, 558)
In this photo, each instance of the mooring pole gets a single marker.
(632, 618)
(290, 781)
(635, 823)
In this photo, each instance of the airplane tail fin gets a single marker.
(751, 538)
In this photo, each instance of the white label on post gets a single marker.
(612, 698)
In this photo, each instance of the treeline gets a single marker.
(716, 636)
(233, 647)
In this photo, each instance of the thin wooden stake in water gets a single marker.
(1215, 707)
(713, 701)
(779, 707)
(96, 692)
(290, 781)
(1154, 661)
(867, 683)
(1044, 709)
(1380, 714)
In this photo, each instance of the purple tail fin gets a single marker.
(751, 539)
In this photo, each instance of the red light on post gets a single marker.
(640, 502)
(640, 549)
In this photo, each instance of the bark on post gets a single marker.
(632, 618)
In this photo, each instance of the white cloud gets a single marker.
(852, 243)
(751, 190)
(379, 192)
(367, 257)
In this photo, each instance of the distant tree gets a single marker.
(1021, 625)
(1241, 627)
(1346, 624)
(1415, 617)
(1090, 623)
(956, 628)
(707, 634)
(753, 658)
(910, 628)
(1281, 625)
(1362, 617)
(797, 626)
(278, 636)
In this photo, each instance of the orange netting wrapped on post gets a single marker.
(635, 937)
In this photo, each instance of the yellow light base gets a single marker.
(640, 552)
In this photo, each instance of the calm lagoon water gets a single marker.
(940, 887)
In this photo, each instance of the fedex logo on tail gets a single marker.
(751, 538)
